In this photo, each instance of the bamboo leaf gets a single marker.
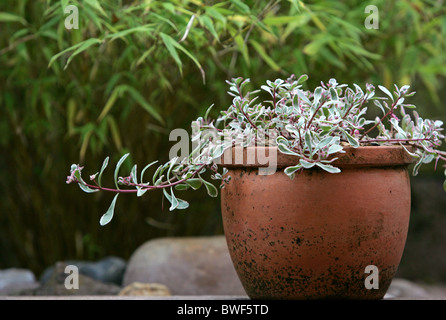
(241, 6)
(9, 17)
(242, 47)
(280, 20)
(186, 52)
(170, 45)
(109, 104)
(84, 46)
(146, 28)
(143, 103)
(259, 49)
(207, 22)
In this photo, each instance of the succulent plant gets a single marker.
(314, 126)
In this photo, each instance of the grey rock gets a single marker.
(56, 285)
(402, 288)
(14, 280)
(108, 270)
(187, 266)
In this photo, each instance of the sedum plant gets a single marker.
(313, 126)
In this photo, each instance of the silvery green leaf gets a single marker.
(159, 181)
(291, 129)
(308, 140)
(428, 158)
(172, 163)
(117, 168)
(401, 132)
(334, 94)
(172, 199)
(211, 189)
(324, 142)
(194, 183)
(182, 204)
(358, 89)
(107, 216)
(353, 142)
(267, 89)
(302, 96)
(133, 174)
(438, 123)
(181, 187)
(444, 185)
(145, 168)
(285, 150)
(335, 148)
(104, 165)
(290, 171)
(306, 164)
(302, 79)
(86, 188)
(207, 111)
(411, 153)
(417, 165)
(82, 183)
(282, 140)
(328, 167)
(386, 91)
(317, 95)
(218, 151)
(140, 191)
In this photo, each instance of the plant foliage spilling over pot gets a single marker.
(313, 126)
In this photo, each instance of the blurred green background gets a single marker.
(135, 70)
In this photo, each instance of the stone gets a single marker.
(14, 280)
(108, 270)
(145, 289)
(186, 265)
(60, 283)
(402, 288)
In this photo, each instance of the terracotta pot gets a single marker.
(314, 236)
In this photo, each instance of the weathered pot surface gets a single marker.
(314, 236)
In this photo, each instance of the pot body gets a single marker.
(319, 235)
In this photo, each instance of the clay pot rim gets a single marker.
(364, 156)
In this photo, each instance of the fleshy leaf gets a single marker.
(212, 190)
(194, 183)
(290, 171)
(117, 168)
(104, 165)
(328, 168)
(172, 199)
(386, 91)
(82, 183)
(106, 217)
(306, 164)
